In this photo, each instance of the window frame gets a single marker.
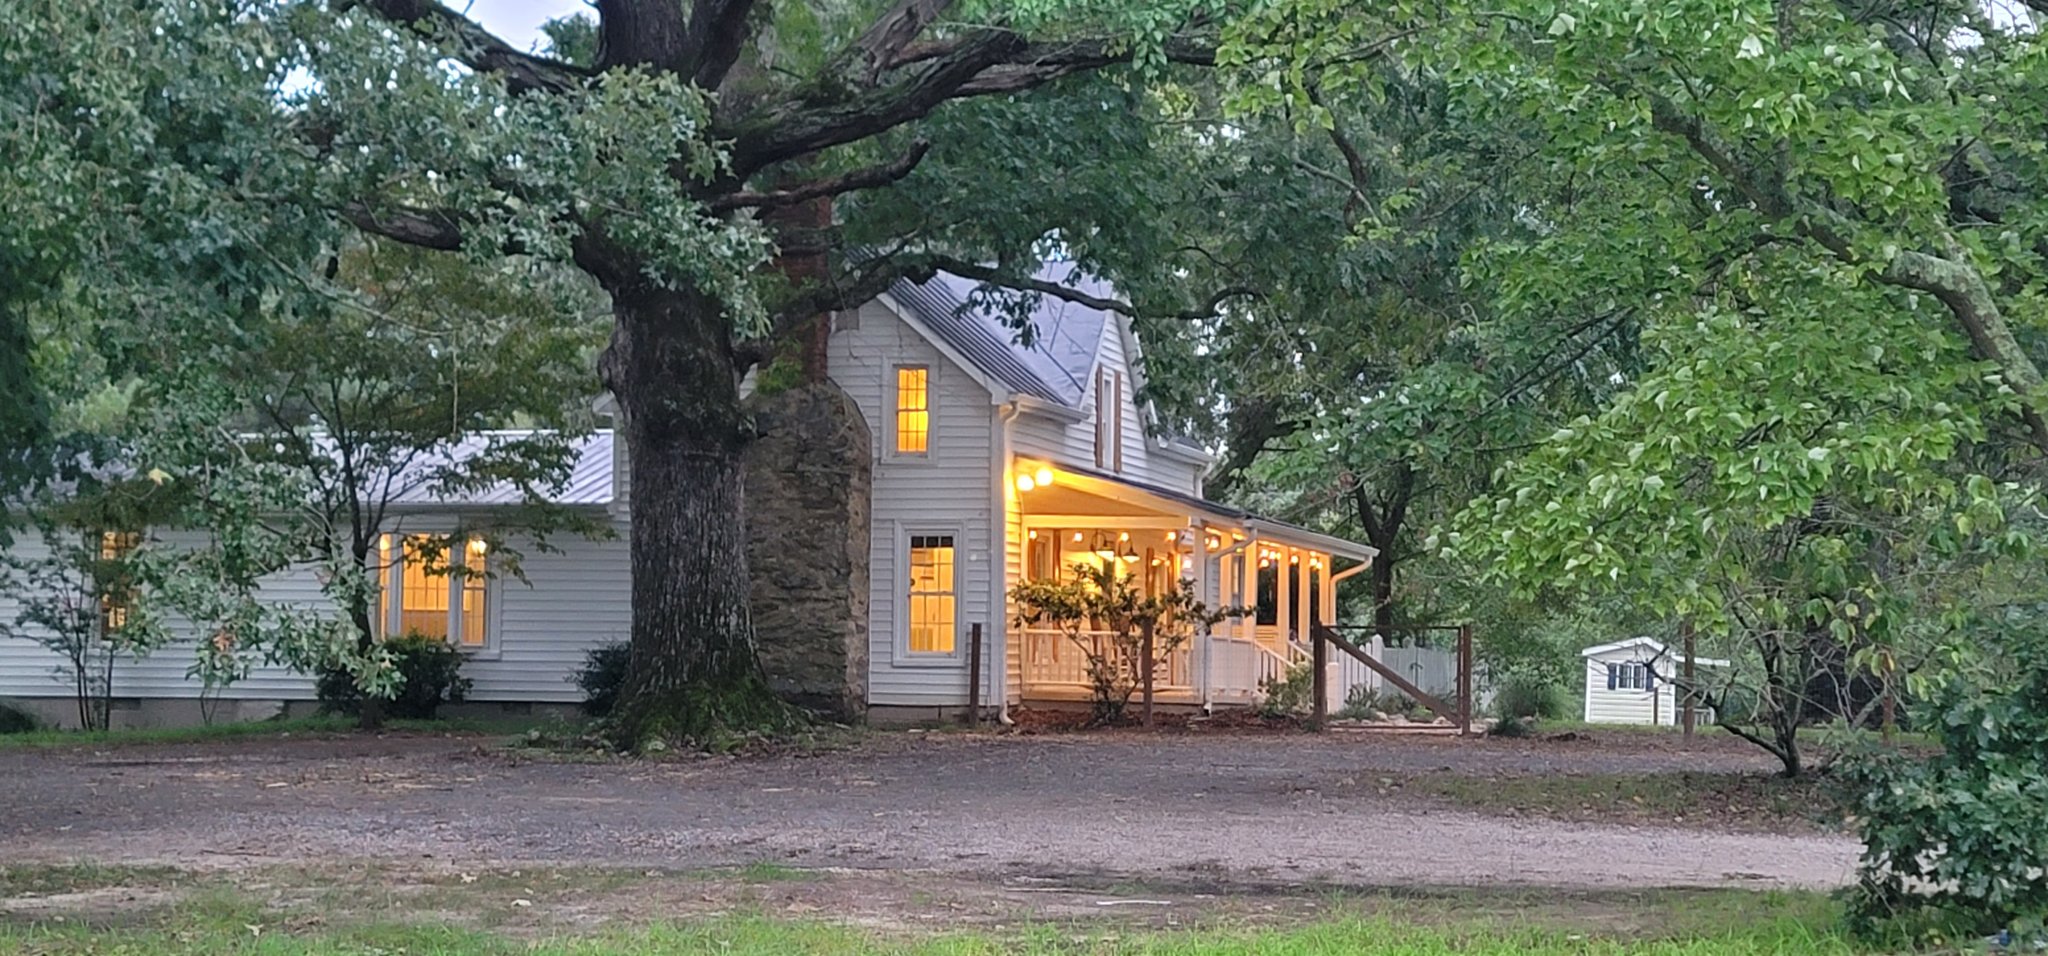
(391, 593)
(111, 548)
(904, 655)
(896, 410)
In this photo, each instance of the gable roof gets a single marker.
(1066, 336)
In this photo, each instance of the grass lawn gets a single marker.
(756, 936)
(301, 727)
(766, 909)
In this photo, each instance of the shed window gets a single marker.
(913, 410)
(933, 594)
(423, 595)
(1630, 676)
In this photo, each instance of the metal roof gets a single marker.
(589, 481)
(1065, 336)
(1252, 521)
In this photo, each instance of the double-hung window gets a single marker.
(423, 593)
(933, 595)
(114, 581)
(913, 410)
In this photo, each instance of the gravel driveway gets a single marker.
(1228, 807)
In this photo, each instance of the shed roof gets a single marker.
(1656, 647)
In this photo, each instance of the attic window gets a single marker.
(1109, 419)
(913, 410)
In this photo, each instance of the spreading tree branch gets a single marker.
(1009, 280)
(1950, 278)
(478, 48)
(869, 178)
(982, 62)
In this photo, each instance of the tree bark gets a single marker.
(695, 678)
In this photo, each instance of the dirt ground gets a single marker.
(1253, 809)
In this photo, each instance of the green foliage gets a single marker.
(1525, 699)
(426, 672)
(1963, 833)
(1291, 695)
(14, 720)
(603, 676)
(1106, 615)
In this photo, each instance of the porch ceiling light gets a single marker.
(1043, 476)
(1024, 483)
(1130, 555)
(1103, 545)
(478, 546)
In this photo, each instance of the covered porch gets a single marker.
(1285, 576)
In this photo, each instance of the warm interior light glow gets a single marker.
(478, 546)
(1043, 476)
(1126, 536)
(1024, 483)
(1237, 536)
(1265, 562)
(1077, 537)
(1033, 534)
(1294, 559)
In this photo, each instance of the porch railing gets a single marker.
(1238, 671)
(1057, 660)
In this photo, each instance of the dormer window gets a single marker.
(913, 410)
(1109, 419)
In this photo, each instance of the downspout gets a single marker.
(1379, 650)
(999, 470)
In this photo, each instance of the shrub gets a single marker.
(1363, 702)
(1962, 834)
(603, 676)
(14, 720)
(1289, 696)
(429, 673)
(1529, 698)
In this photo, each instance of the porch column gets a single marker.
(1301, 607)
(1283, 619)
(1200, 559)
(1248, 580)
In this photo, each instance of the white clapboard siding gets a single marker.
(947, 491)
(577, 599)
(1036, 435)
(1625, 705)
(28, 669)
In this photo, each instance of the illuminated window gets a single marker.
(115, 584)
(422, 596)
(932, 596)
(913, 410)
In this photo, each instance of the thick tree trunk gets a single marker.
(694, 676)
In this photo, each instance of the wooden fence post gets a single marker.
(1319, 659)
(1150, 663)
(974, 676)
(1691, 711)
(1464, 680)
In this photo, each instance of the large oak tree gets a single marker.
(691, 142)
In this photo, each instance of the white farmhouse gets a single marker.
(994, 461)
(1635, 682)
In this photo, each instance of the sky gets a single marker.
(518, 21)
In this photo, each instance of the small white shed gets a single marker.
(1635, 682)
